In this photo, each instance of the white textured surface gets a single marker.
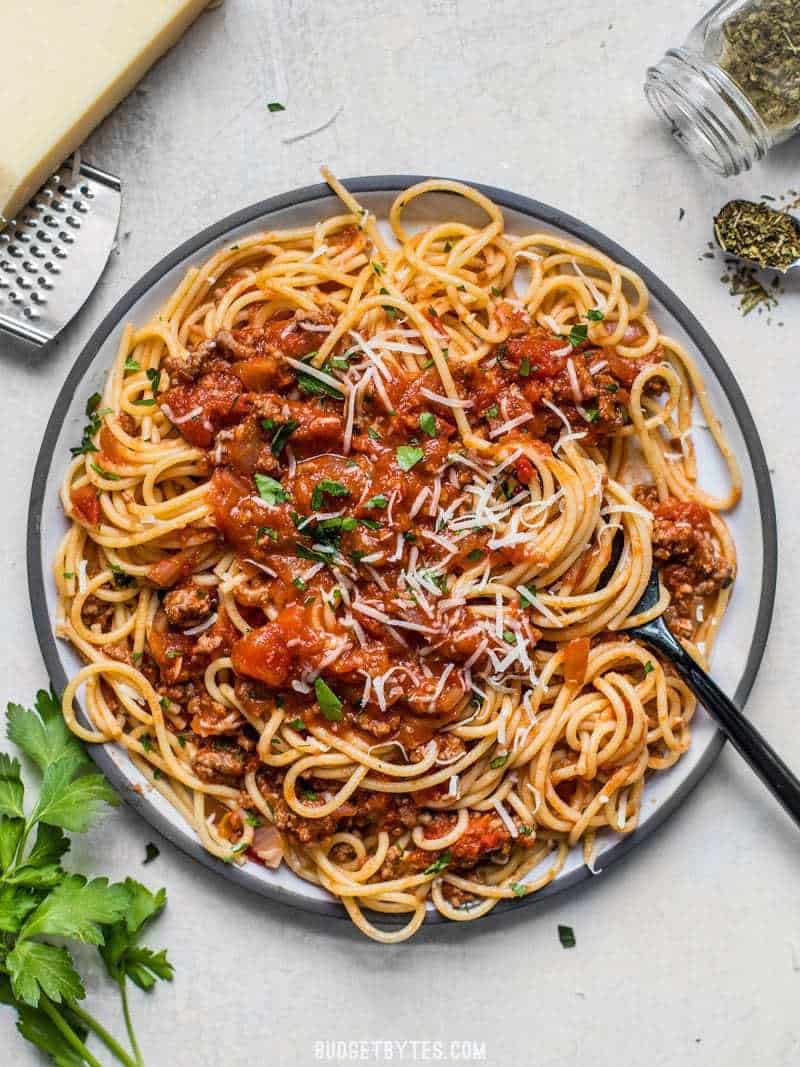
(685, 950)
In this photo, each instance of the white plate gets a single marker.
(744, 631)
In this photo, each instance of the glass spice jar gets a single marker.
(733, 90)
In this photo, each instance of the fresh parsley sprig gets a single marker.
(39, 899)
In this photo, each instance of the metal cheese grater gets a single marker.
(52, 255)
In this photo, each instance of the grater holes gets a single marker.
(80, 207)
(59, 252)
(44, 283)
(51, 267)
(87, 192)
(37, 298)
(73, 222)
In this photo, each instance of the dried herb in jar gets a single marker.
(762, 55)
(759, 233)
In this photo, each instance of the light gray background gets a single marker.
(689, 950)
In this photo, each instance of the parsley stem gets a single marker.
(123, 992)
(64, 1028)
(108, 1040)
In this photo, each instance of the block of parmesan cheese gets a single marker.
(66, 64)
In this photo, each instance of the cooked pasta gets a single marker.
(357, 528)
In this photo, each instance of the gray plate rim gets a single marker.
(184, 839)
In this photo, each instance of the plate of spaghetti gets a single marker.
(339, 524)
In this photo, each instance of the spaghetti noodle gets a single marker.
(357, 528)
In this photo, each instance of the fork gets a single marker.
(745, 738)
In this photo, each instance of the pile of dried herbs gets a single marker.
(762, 55)
(759, 233)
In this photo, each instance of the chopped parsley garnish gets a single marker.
(499, 761)
(144, 402)
(370, 524)
(526, 831)
(329, 487)
(266, 531)
(297, 724)
(378, 267)
(338, 522)
(528, 595)
(439, 864)
(524, 367)
(147, 744)
(283, 431)
(427, 423)
(595, 314)
(251, 819)
(496, 292)
(518, 889)
(578, 334)
(648, 667)
(299, 583)
(151, 852)
(270, 491)
(612, 388)
(137, 657)
(312, 386)
(592, 414)
(408, 456)
(329, 704)
(373, 433)
(273, 105)
(121, 578)
(311, 554)
(475, 555)
(91, 428)
(492, 412)
(165, 703)
(508, 637)
(131, 364)
(109, 475)
(391, 311)
(379, 501)
(309, 794)
(154, 377)
(566, 935)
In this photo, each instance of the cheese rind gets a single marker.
(66, 64)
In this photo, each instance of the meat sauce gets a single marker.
(304, 518)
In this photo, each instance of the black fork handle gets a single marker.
(745, 738)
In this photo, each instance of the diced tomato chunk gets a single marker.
(86, 504)
(263, 654)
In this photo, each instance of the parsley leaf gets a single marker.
(283, 431)
(71, 804)
(122, 954)
(595, 314)
(408, 456)
(75, 908)
(379, 501)
(499, 761)
(273, 105)
(578, 334)
(269, 490)
(37, 968)
(43, 734)
(439, 864)
(11, 788)
(566, 935)
(330, 705)
(329, 487)
(427, 423)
